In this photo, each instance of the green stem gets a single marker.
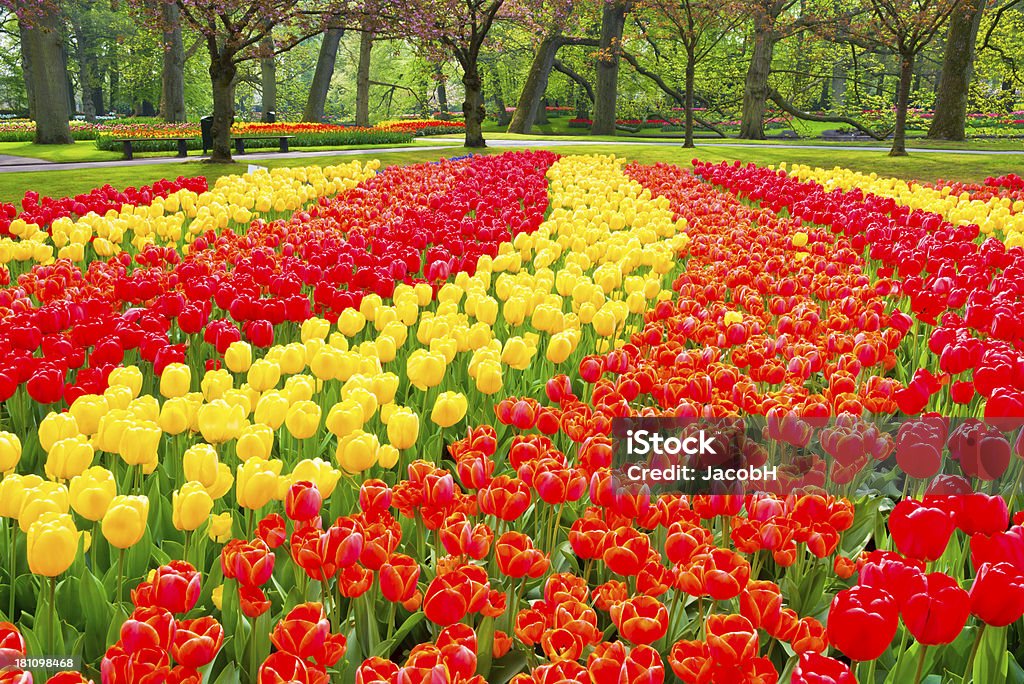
(974, 652)
(920, 664)
(13, 566)
(869, 676)
(120, 577)
(52, 635)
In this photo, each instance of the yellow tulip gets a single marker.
(199, 463)
(799, 239)
(140, 443)
(319, 472)
(12, 492)
(300, 388)
(215, 383)
(449, 409)
(43, 497)
(560, 346)
(489, 377)
(425, 369)
(118, 397)
(345, 417)
(175, 415)
(111, 428)
(91, 492)
(124, 523)
(145, 408)
(223, 483)
(220, 422)
(263, 375)
(52, 544)
(87, 410)
(190, 506)
(10, 451)
(256, 482)
(384, 386)
(517, 353)
(176, 380)
(127, 376)
(403, 427)
(314, 329)
(302, 419)
(217, 596)
(238, 357)
(271, 409)
(68, 458)
(387, 456)
(256, 441)
(220, 530)
(55, 427)
(357, 451)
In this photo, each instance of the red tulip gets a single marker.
(862, 622)
(196, 642)
(938, 614)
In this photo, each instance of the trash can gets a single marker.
(206, 126)
(271, 117)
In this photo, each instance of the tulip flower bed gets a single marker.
(336, 424)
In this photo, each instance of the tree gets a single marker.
(606, 85)
(957, 72)
(363, 78)
(699, 25)
(172, 94)
(325, 63)
(233, 31)
(268, 76)
(41, 27)
(460, 27)
(906, 27)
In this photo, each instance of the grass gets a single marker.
(57, 183)
(558, 129)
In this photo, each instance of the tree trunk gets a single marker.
(473, 105)
(957, 70)
(322, 76)
(268, 78)
(530, 100)
(542, 113)
(691, 67)
(172, 88)
(26, 69)
(363, 79)
(499, 102)
(613, 20)
(442, 97)
(899, 138)
(222, 76)
(85, 83)
(755, 90)
(838, 84)
(49, 76)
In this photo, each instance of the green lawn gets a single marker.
(57, 183)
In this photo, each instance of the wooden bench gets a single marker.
(126, 144)
(239, 140)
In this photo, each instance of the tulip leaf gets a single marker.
(114, 630)
(906, 666)
(229, 675)
(855, 539)
(507, 667)
(386, 648)
(1016, 672)
(97, 614)
(992, 662)
(69, 605)
(485, 647)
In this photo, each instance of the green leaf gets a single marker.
(507, 667)
(114, 630)
(385, 648)
(992, 662)
(229, 675)
(906, 666)
(485, 645)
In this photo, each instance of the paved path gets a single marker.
(10, 164)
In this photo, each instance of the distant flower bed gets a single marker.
(305, 134)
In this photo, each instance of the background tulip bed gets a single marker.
(303, 134)
(345, 424)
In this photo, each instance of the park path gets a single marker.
(10, 164)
